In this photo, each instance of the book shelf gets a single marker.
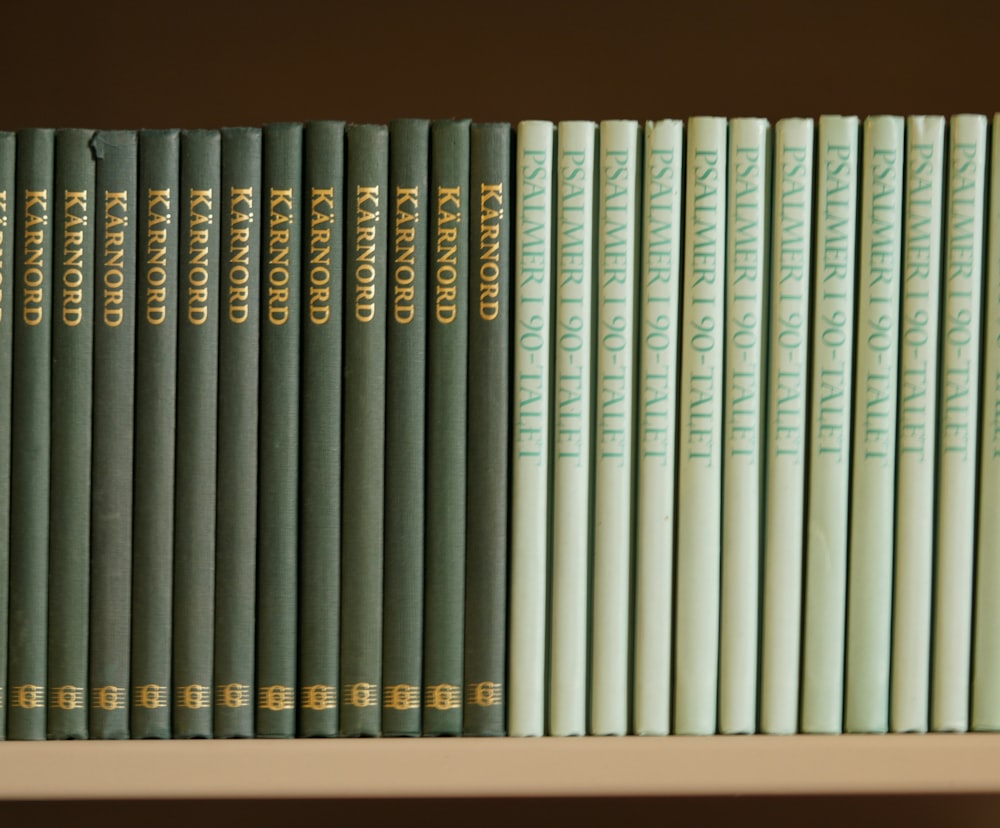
(588, 60)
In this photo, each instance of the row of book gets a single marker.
(439, 429)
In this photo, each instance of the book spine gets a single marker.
(529, 520)
(572, 344)
(72, 376)
(869, 602)
(320, 489)
(699, 462)
(240, 208)
(364, 428)
(746, 292)
(447, 395)
(986, 640)
(36, 206)
(614, 385)
(830, 425)
(155, 421)
(278, 427)
(113, 437)
(915, 440)
(406, 364)
(786, 424)
(8, 150)
(958, 430)
(656, 424)
(485, 702)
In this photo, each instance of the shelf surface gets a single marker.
(549, 767)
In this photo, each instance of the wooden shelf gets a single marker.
(549, 767)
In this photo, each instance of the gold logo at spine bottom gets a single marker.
(108, 697)
(149, 696)
(276, 697)
(193, 696)
(27, 696)
(484, 693)
(66, 697)
(443, 696)
(232, 695)
(318, 697)
(401, 697)
(361, 694)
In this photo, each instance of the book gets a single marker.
(614, 387)
(159, 213)
(746, 292)
(699, 456)
(35, 206)
(985, 690)
(958, 424)
(8, 149)
(915, 438)
(113, 434)
(320, 487)
(869, 595)
(446, 446)
(530, 414)
(656, 423)
(276, 639)
(572, 390)
(831, 395)
(405, 398)
(485, 699)
(240, 208)
(71, 394)
(786, 424)
(366, 306)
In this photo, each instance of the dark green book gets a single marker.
(113, 434)
(406, 347)
(365, 306)
(278, 469)
(72, 399)
(30, 448)
(8, 144)
(488, 433)
(155, 422)
(447, 384)
(236, 512)
(202, 210)
(320, 488)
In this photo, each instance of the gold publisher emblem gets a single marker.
(401, 697)
(108, 698)
(276, 697)
(361, 694)
(318, 697)
(232, 695)
(66, 697)
(28, 696)
(443, 696)
(149, 696)
(484, 693)
(193, 696)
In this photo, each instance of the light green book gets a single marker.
(656, 398)
(873, 479)
(534, 186)
(829, 464)
(699, 455)
(572, 390)
(915, 453)
(786, 423)
(746, 286)
(614, 383)
(958, 425)
(986, 655)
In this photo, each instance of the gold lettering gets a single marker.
(278, 252)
